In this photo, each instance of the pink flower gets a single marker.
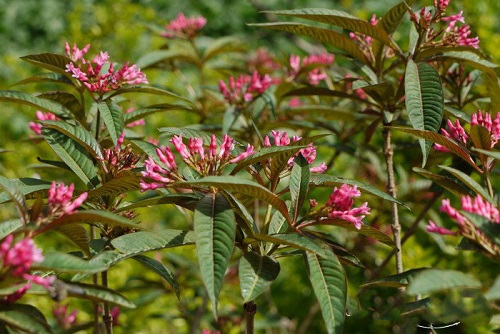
(115, 314)
(41, 116)
(481, 207)
(249, 151)
(492, 125)
(244, 88)
(60, 199)
(340, 205)
(433, 228)
(64, 319)
(312, 66)
(184, 27)
(456, 133)
(453, 19)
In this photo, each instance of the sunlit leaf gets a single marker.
(77, 234)
(147, 90)
(434, 280)
(256, 272)
(294, 240)
(155, 109)
(39, 103)
(46, 77)
(161, 270)
(391, 20)
(121, 184)
(140, 242)
(480, 136)
(187, 200)
(267, 153)
(62, 262)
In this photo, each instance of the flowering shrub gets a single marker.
(245, 177)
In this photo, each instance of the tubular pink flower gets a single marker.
(196, 147)
(315, 74)
(486, 121)
(453, 19)
(433, 228)
(180, 147)
(184, 27)
(75, 54)
(481, 207)
(249, 151)
(244, 88)
(226, 147)
(213, 146)
(319, 169)
(340, 205)
(167, 157)
(451, 212)
(60, 199)
(41, 116)
(456, 133)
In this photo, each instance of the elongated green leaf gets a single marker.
(493, 154)
(470, 182)
(391, 20)
(433, 280)
(27, 186)
(147, 111)
(9, 226)
(95, 293)
(51, 61)
(466, 57)
(73, 154)
(112, 115)
(215, 229)
(25, 318)
(43, 104)
(397, 280)
(148, 90)
(77, 234)
(333, 181)
(437, 138)
(79, 135)
(494, 292)
(46, 77)
(299, 185)
(121, 184)
(256, 273)
(186, 200)
(480, 136)
(191, 133)
(443, 181)
(17, 196)
(140, 242)
(294, 240)
(267, 153)
(242, 186)
(66, 99)
(248, 225)
(161, 270)
(330, 287)
(62, 262)
(331, 37)
(323, 91)
(277, 224)
(157, 57)
(327, 112)
(338, 18)
(424, 100)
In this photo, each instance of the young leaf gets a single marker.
(73, 154)
(215, 229)
(256, 273)
(299, 185)
(470, 182)
(433, 280)
(424, 100)
(331, 37)
(43, 104)
(112, 115)
(25, 318)
(51, 61)
(140, 242)
(62, 262)
(161, 270)
(330, 287)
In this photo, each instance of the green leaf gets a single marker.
(424, 100)
(190, 133)
(121, 184)
(299, 185)
(73, 154)
(494, 292)
(113, 117)
(391, 20)
(62, 262)
(256, 273)
(94, 293)
(26, 318)
(494, 155)
(490, 79)
(330, 287)
(148, 90)
(17, 196)
(248, 225)
(437, 138)
(242, 186)
(147, 111)
(222, 45)
(140, 242)
(51, 61)
(156, 57)
(66, 99)
(470, 182)
(465, 57)
(186, 200)
(275, 152)
(434, 280)
(338, 18)
(488, 228)
(79, 134)
(480, 137)
(215, 229)
(395, 281)
(444, 181)
(323, 91)
(28, 186)
(43, 104)
(77, 234)
(330, 181)
(331, 37)
(161, 270)
(46, 77)
(9, 226)
(296, 241)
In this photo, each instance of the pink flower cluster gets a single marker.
(99, 75)
(340, 205)
(477, 206)
(363, 39)
(312, 66)
(309, 153)
(64, 318)
(457, 132)
(41, 116)
(244, 88)
(60, 199)
(17, 260)
(455, 35)
(184, 27)
(205, 160)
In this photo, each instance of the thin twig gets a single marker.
(107, 318)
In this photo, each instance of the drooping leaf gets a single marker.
(443, 181)
(467, 57)
(215, 229)
(9, 226)
(73, 154)
(51, 61)
(17, 196)
(299, 185)
(140, 242)
(437, 138)
(470, 182)
(222, 45)
(330, 287)
(147, 90)
(66, 99)
(94, 293)
(113, 117)
(242, 214)
(161, 270)
(391, 20)
(46, 77)
(323, 180)
(424, 100)
(490, 79)
(256, 272)
(121, 184)
(28, 186)
(77, 234)
(242, 186)
(433, 280)
(395, 281)
(25, 318)
(43, 104)
(186, 200)
(331, 37)
(62, 262)
(296, 241)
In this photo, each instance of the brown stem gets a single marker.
(250, 309)
(392, 190)
(107, 318)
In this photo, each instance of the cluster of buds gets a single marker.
(184, 27)
(457, 133)
(17, 260)
(205, 160)
(64, 318)
(312, 66)
(244, 88)
(118, 159)
(41, 116)
(99, 75)
(60, 200)
(309, 153)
